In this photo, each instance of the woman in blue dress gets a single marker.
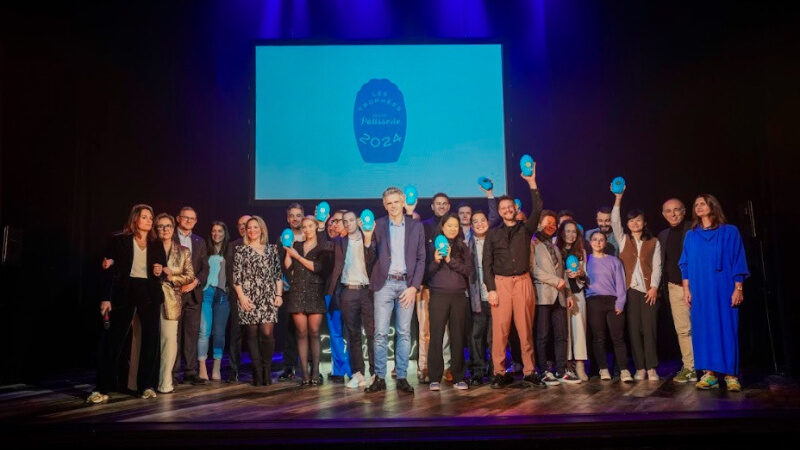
(714, 267)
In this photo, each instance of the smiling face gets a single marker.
(165, 229)
(507, 209)
(673, 211)
(253, 230)
(598, 242)
(217, 234)
(335, 226)
(309, 228)
(636, 224)
(394, 203)
(450, 228)
(187, 219)
(480, 224)
(548, 225)
(440, 206)
(701, 207)
(570, 233)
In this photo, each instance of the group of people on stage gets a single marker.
(485, 281)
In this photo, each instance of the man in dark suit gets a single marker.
(192, 301)
(235, 330)
(671, 240)
(350, 281)
(399, 264)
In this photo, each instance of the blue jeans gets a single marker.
(340, 360)
(213, 318)
(386, 300)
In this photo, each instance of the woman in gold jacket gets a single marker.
(177, 273)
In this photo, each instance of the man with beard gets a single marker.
(603, 218)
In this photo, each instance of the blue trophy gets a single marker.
(287, 237)
(526, 164)
(485, 183)
(617, 185)
(442, 245)
(323, 211)
(367, 220)
(573, 265)
(411, 194)
(580, 228)
(518, 202)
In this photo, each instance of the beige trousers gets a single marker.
(169, 350)
(683, 324)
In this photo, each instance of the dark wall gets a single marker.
(106, 105)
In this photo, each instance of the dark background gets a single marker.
(108, 104)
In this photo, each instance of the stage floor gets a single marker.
(287, 413)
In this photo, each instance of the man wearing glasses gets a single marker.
(671, 240)
(340, 363)
(192, 301)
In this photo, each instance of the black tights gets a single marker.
(307, 327)
(261, 344)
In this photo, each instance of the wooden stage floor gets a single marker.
(230, 414)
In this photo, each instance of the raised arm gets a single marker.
(616, 220)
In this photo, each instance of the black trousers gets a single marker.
(358, 310)
(114, 340)
(288, 332)
(602, 316)
(447, 309)
(234, 333)
(642, 329)
(551, 320)
(188, 333)
(481, 341)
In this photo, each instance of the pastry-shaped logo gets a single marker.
(287, 237)
(379, 121)
(618, 185)
(572, 263)
(367, 220)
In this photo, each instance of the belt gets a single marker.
(355, 286)
(396, 276)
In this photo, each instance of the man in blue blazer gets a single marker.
(398, 255)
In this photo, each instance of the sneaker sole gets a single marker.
(552, 383)
(571, 381)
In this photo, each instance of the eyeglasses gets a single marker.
(163, 227)
(188, 219)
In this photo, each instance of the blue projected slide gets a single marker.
(346, 121)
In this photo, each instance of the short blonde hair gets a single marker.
(261, 224)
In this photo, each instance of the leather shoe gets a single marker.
(339, 379)
(403, 386)
(200, 381)
(286, 375)
(501, 381)
(378, 385)
(233, 378)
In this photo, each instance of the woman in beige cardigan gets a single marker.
(175, 274)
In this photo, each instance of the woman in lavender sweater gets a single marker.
(605, 303)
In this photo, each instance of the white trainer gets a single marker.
(356, 381)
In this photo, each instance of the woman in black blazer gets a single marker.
(131, 288)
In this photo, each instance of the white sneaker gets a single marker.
(640, 375)
(625, 376)
(605, 375)
(652, 375)
(356, 381)
(550, 379)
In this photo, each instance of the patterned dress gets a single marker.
(257, 275)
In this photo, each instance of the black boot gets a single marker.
(267, 348)
(255, 357)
